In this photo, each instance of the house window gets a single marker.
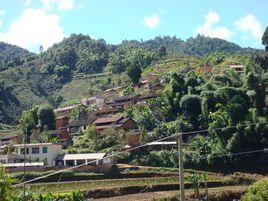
(22, 151)
(44, 150)
(35, 150)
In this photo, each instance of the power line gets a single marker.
(216, 156)
(129, 150)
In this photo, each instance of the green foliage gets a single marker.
(46, 117)
(257, 192)
(134, 73)
(77, 196)
(11, 56)
(109, 138)
(265, 38)
(78, 52)
(191, 105)
(215, 58)
(144, 117)
(123, 57)
(202, 45)
(7, 191)
(162, 51)
(196, 183)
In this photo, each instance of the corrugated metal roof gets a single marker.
(66, 108)
(35, 144)
(80, 122)
(85, 156)
(162, 143)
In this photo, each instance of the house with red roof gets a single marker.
(127, 124)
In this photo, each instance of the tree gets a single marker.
(46, 116)
(109, 138)
(191, 106)
(28, 121)
(41, 48)
(162, 51)
(257, 191)
(265, 39)
(7, 191)
(134, 73)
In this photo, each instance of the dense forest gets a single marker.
(28, 78)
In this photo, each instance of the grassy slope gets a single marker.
(32, 87)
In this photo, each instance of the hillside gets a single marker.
(11, 55)
(74, 67)
(198, 46)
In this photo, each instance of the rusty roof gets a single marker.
(107, 120)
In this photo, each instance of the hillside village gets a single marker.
(84, 113)
(98, 112)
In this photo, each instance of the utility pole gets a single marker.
(24, 161)
(181, 171)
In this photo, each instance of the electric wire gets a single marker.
(132, 149)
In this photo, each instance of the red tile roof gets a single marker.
(107, 120)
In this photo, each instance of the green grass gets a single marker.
(101, 184)
(115, 183)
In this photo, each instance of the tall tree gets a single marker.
(134, 73)
(162, 51)
(265, 39)
(46, 116)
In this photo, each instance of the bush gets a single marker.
(257, 192)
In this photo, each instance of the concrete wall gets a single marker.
(52, 152)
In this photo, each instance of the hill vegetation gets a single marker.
(11, 55)
(30, 79)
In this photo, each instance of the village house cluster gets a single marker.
(102, 115)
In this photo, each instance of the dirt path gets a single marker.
(162, 194)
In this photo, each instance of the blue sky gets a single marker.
(31, 23)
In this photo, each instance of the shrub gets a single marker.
(257, 192)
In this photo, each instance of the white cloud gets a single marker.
(59, 4)
(251, 25)
(26, 2)
(151, 21)
(208, 28)
(33, 28)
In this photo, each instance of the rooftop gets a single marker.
(80, 122)
(162, 143)
(85, 156)
(236, 66)
(66, 108)
(127, 97)
(91, 98)
(148, 96)
(62, 117)
(9, 136)
(35, 144)
(108, 120)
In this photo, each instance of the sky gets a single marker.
(31, 23)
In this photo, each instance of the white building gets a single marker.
(39, 152)
(98, 101)
(84, 158)
(237, 68)
(49, 155)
